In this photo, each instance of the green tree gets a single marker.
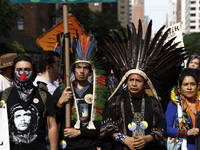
(11, 47)
(8, 16)
(83, 15)
(97, 22)
(192, 43)
(9, 13)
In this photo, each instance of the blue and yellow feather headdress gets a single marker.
(87, 52)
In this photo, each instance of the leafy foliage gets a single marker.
(12, 47)
(97, 22)
(192, 44)
(9, 14)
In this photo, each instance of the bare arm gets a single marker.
(1, 104)
(52, 131)
(71, 133)
(65, 97)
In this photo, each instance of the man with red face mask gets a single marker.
(25, 97)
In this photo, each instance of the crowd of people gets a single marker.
(122, 118)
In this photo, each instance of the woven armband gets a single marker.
(181, 132)
(120, 137)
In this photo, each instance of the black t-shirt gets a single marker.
(89, 139)
(27, 121)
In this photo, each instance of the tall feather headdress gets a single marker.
(157, 61)
(87, 52)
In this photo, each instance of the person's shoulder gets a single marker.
(172, 103)
(154, 101)
(39, 79)
(36, 80)
(118, 96)
(151, 98)
(2, 78)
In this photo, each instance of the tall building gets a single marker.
(123, 12)
(194, 16)
(188, 12)
(138, 11)
(36, 19)
(95, 6)
(178, 12)
(131, 11)
(110, 8)
(187, 16)
(137, 7)
(181, 13)
(172, 16)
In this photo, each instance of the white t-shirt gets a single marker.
(4, 83)
(50, 85)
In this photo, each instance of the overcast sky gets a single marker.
(157, 11)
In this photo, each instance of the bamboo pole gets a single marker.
(67, 63)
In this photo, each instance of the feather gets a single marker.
(158, 59)
(115, 49)
(83, 49)
(154, 41)
(133, 47)
(121, 45)
(146, 44)
(139, 44)
(90, 48)
(77, 47)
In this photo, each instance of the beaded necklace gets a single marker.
(138, 125)
(135, 118)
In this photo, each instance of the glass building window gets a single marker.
(20, 24)
(96, 4)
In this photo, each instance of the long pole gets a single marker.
(67, 65)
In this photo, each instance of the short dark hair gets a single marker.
(188, 72)
(24, 58)
(47, 58)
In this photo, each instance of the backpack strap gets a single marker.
(42, 89)
(5, 94)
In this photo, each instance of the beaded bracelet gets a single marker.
(181, 132)
(120, 137)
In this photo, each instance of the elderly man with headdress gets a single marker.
(133, 119)
(87, 98)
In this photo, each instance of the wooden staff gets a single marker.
(67, 63)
